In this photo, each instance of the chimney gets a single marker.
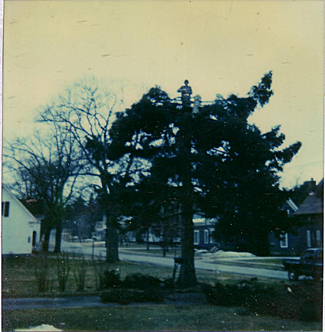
(310, 185)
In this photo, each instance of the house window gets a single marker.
(5, 209)
(211, 235)
(28, 239)
(284, 240)
(196, 237)
(206, 236)
(308, 239)
(318, 238)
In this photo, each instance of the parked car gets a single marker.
(309, 264)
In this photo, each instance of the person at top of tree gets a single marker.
(186, 92)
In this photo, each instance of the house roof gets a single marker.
(15, 199)
(291, 203)
(34, 206)
(313, 204)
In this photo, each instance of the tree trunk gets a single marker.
(58, 236)
(148, 239)
(112, 255)
(46, 241)
(187, 277)
(260, 245)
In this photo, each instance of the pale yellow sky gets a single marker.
(219, 46)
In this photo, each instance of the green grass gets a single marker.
(19, 281)
(18, 276)
(153, 318)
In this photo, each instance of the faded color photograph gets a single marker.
(162, 165)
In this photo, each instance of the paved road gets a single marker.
(93, 302)
(52, 303)
(207, 265)
(167, 261)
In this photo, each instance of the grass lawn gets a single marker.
(18, 277)
(153, 318)
(18, 280)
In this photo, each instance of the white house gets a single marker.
(20, 230)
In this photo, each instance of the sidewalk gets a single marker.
(93, 302)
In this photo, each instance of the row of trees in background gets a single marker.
(157, 162)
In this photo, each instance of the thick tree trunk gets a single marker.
(46, 241)
(58, 236)
(260, 245)
(187, 277)
(111, 241)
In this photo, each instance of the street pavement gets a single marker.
(52, 303)
(92, 302)
(207, 266)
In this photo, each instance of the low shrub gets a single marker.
(141, 281)
(245, 293)
(302, 301)
(110, 279)
(99, 269)
(122, 296)
(169, 283)
(42, 272)
(80, 272)
(125, 296)
(153, 295)
(63, 269)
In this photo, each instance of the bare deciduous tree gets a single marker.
(45, 167)
(87, 112)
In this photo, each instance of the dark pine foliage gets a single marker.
(214, 162)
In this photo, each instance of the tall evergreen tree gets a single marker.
(213, 161)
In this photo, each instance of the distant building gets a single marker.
(99, 233)
(20, 229)
(100, 229)
(203, 232)
(309, 232)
